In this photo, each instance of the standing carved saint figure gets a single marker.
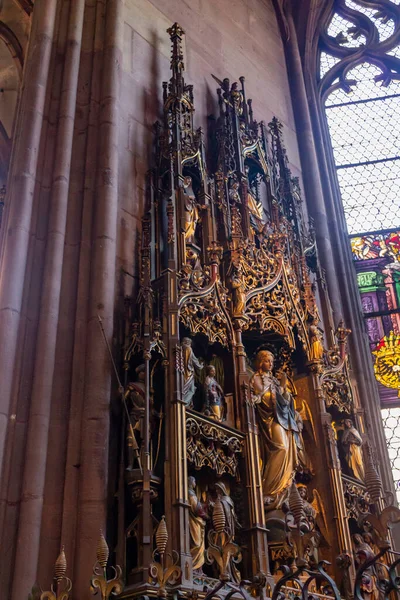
(135, 398)
(197, 526)
(317, 349)
(214, 395)
(238, 291)
(191, 210)
(190, 364)
(279, 429)
(217, 362)
(351, 443)
(363, 552)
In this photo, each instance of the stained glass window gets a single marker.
(360, 84)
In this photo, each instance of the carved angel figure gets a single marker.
(314, 511)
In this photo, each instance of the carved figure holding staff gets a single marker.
(190, 364)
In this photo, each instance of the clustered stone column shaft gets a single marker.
(58, 261)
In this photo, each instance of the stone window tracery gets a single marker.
(359, 85)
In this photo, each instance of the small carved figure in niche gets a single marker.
(310, 512)
(279, 429)
(217, 362)
(237, 98)
(231, 524)
(214, 396)
(190, 364)
(238, 291)
(314, 511)
(364, 552)
(229, 509)
(197, 526)
(256, 212)
(351, 443)
(305, 463)
(191, 210)
(368, 539)
(234, 195)
(316, 336)
(135, 398)
(255, 208)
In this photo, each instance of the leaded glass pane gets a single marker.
(363, 114)
(326, 62)
(391, 423)
(366, 85)
(371, 196)
(360, 132)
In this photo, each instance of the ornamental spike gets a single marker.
(162, 536)
(102, 551)
(60, 566)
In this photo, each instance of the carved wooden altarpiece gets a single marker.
(228, 267)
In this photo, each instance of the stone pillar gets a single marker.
(27, 553)
(17, 216)
(310, 170)
(95, 419)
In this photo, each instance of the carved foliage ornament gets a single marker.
(210, 445)
(356, 497)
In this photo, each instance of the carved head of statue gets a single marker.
(303, 492)
(140, 372)
(221, 489)
(187, 181)
(186, 342)
(191, 482)
(264, 361)
(368, 539)
(348, 423)
(210, 371)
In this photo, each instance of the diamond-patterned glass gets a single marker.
(371, 196)
(364, 86)
(360, 131)
(363, 115)
(391, 424)
(326, 62)
(365, 135)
